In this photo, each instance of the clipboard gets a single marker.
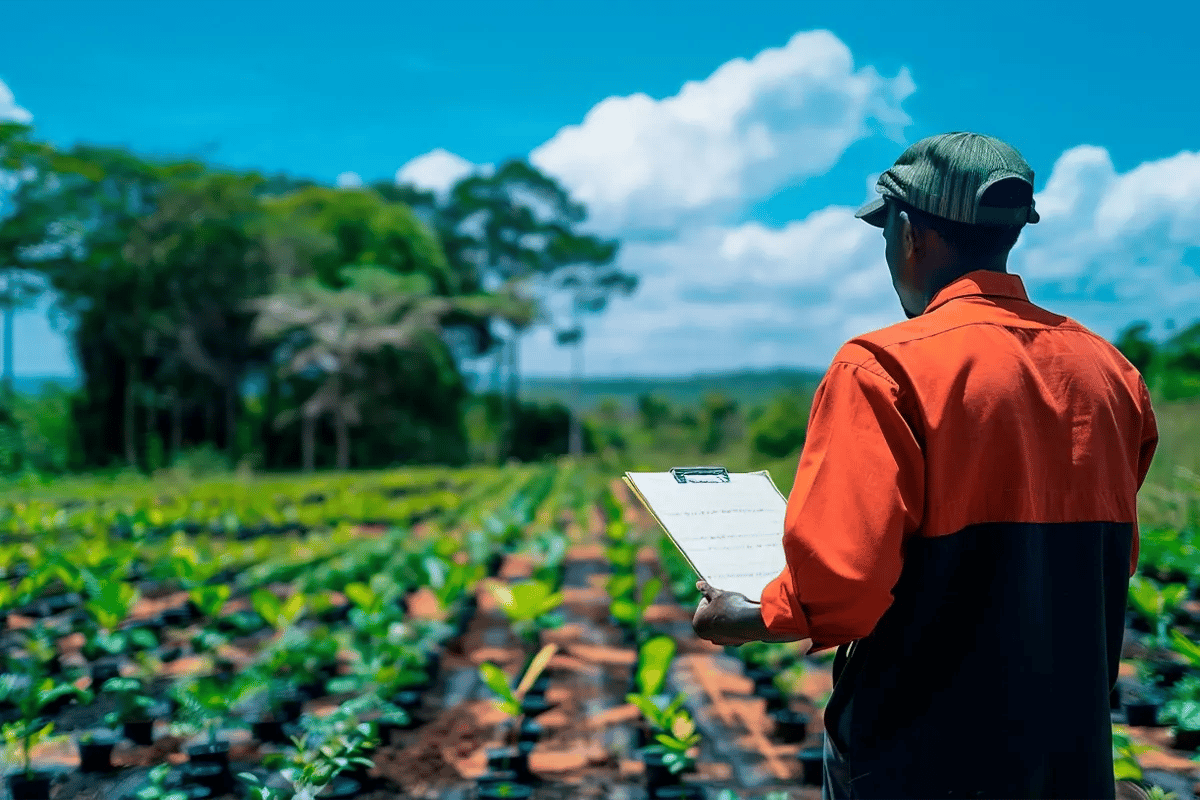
(728, 526)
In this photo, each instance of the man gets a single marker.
(963, 524)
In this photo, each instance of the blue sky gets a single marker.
(748, 255)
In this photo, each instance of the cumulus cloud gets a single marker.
(438, 170)
(349, 180)
(1111, 248)
(749, 129)
(9, 110)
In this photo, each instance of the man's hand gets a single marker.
(727, 618)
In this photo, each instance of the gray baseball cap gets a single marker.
(947, 174)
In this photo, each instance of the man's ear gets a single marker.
(910, 239)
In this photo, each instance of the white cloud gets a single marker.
(9, 110)
(749, 129)
(1110, 249)
(438, 170)
(349, 180)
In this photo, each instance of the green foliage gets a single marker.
(1125, 755)
(332, 745)
(780, 430)
(1182, 708)
(1156, 604)
(654, 662)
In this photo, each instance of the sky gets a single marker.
(725, 145)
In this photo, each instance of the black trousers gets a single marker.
(836, 783)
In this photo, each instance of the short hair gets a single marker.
(977, 243)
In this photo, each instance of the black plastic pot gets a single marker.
(1141, 713)
(515, 759)
(214, 777)
(1167, 673)
(102, 670)
(175, 617)
(139, 731)
(269, 731)
(201, 759)
(679, 791)
(95, 756)
(409, 700)
(1185, 740)
(658, 774)
(774, 697)
(535, 705)
(790, 726)
(341, 788)
(760, 677)
(289, 709)
(812, 762)
(494, 790)
(23, 787)
(531, 732)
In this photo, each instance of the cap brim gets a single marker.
(874, 213)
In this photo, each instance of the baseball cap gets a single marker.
(947, 174)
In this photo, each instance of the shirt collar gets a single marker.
(981, 282)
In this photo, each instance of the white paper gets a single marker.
(731, 532)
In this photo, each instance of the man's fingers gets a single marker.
(710, 592)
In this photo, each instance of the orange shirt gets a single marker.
(984, 409)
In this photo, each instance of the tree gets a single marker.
(517, 228)
(1137, 346)
(330, 333)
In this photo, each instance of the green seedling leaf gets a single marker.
(650, 590)
(210, 599)
(654, 660)
(497, 681)
(623, 610)
(266, 605)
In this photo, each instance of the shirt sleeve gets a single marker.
(858, 494)
(1145, 457)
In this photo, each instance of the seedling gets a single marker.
(157, 788)
(509, 699)
(331, 746)
(1182, 708)
(530, 607)
(1125, 755)
(630, 610)
(32, 696)
(134, 703)
(1156, 605)
(279, 614)
(206, 701)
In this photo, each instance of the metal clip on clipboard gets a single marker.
(701, 474)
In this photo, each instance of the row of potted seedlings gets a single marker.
(306, 656)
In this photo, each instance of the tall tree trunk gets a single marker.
(308, 435)
(208, 417)
(510, 438)
(575, 439)
(176, 425)
(129, 422)
(231, 420)
(342, 433)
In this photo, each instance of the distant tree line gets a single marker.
(1171, 368)
(276, 319)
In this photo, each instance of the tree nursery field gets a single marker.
(438, 633)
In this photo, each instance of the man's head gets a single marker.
(951, 204)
